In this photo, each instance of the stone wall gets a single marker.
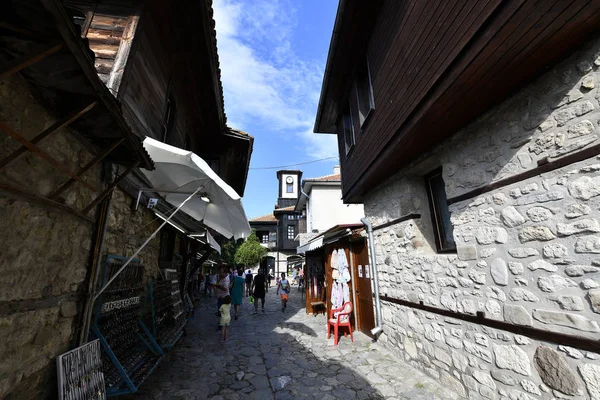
(45, 254)
(527, 253)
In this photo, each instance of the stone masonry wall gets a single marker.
(45, 254)
(527, 253)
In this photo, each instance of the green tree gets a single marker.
(250, 252)
(228, 250)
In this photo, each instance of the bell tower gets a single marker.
(289, 187)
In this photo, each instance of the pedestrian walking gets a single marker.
(249, 279)
(237, 292)
(222, 289)
(225, 310)
(259, 290)
(283, 289)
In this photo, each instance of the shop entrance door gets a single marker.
(362, 287)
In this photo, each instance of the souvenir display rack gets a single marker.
(127, 357)
(79, 373)
(164, 319)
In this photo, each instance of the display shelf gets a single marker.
(128, 357)
(163, 317)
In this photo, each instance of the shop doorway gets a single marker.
(362, 287)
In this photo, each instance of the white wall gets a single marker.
(326, 209)
(284, 193)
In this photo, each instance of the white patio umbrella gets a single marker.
(179, 173)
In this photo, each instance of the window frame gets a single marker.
(348, 128)
(293, 232)
(435, 204)
(363, 78)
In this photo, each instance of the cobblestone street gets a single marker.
(281, 355)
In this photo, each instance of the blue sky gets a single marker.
(272, 55)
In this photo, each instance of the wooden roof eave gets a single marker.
(77, 49)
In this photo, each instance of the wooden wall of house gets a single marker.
(435, 66)
(148, 81)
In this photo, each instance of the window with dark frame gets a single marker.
(291, 232)
(364, 92)
(440, 214)
(348, 129)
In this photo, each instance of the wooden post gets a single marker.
(89, 165)
(116, 74)
(28, 59)
(55, 127)
(109, 188)
(34, 149)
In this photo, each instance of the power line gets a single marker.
(294, 165)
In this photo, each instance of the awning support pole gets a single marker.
(141, 247)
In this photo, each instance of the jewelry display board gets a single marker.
(163, 319)
(127, 356)
(79, 373)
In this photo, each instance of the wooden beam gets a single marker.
(110, 187)
(34, 149)
(28, 59)
(89, 165)
(114, 80)
(18, 30)
(55, 127)
(18, 194)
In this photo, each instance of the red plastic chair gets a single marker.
(342, 319)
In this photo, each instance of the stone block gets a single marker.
(588, 244)
(594, 297)
(477, 277)
(503, 377)
(511, 217)
(581, 128)
(573, 146)
(511, 358)
(536, 233)
(466, 253)
(569, 320)
(484, 378)
(68, 309)
(590, 225)
(591, 376)
(584, 187)
(590, 284)
(489, 235)
(580, 270)
(499, 272)
(525, 252)
(517, 315)
(477, 351)
(543, 265)
(577, 210)
(515, 268)
(530, 387)
(554, 250)
(569, 303)
(540, 198)
(452, 383)
(538, 214)
(566, 114)
(520, 294)
(554, 283)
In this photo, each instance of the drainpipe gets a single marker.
(378, 328)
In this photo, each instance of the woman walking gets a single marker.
(221, 290)
(237, 292)
(283, 288)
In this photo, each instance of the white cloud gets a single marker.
(264, 81)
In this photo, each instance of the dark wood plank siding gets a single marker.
(427, 38)
(447, 63)
(145, 81)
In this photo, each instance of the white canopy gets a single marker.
(179, 173)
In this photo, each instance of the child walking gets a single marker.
(283, 288)
(225, 311)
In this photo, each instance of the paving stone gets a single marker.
(287, 356)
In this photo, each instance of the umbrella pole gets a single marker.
(141, 247)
